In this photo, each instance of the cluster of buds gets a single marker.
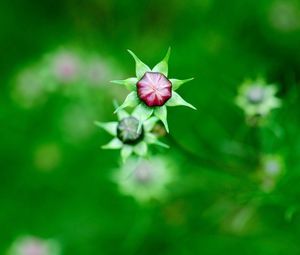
(151, 91)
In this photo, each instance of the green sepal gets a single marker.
(149, 123)
(161, 113)
(129, 83)
(126, 152)
(113, 144)
(130, 101)
(142, 113)
(176, 84)
(152, 139)
(162, 67)
(141, 149)
(177, 100)
(109, 127)
(141, 68)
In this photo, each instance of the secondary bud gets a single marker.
(128, 131)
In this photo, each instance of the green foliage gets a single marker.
(236, 186)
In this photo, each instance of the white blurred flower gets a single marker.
(145, 179)
(65, 66)
(28, 88)
(30, 245)
(98, 71)
(271, 168)
(257, 98)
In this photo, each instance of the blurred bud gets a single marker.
(99, 71)
(271, 168)
(65, 66)
(284, 15)
(145, 179)
(30, 245)
(257, 99)
(28, 88)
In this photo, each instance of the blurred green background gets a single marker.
(55, 182)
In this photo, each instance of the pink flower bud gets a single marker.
(154, 89)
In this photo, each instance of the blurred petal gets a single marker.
(110, 127)
(162, 67)
(130, 101)
(176, 84)
(141, 149)
(161, 113)
(113, 144)
(129, 83)
(177, 100)
(141, 68)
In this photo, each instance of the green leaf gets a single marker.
(113, 144)
(129, 83)
(126, 152)
(142, 113)
(110, 127)
(130, 101)
(161, 113)
(176, 84)
(141, 68)
(177, 100)
(141, 149)
(162, 67)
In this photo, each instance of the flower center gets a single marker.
(256, 95)
(154, 89)
(143, 173)
(127, 131)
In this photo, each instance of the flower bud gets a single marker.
(154, 89)
(128, 130)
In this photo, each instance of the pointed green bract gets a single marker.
(141, 68)
(142, 113)
(152, 139)
(122, 114)
(162, 67)
(161, 113)
(176, 84)
(177, 100)
(129, 83)
(141, 149)
(131, 101)
(113, 144)
(149, 123)
(109, 127)
(126, 152)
